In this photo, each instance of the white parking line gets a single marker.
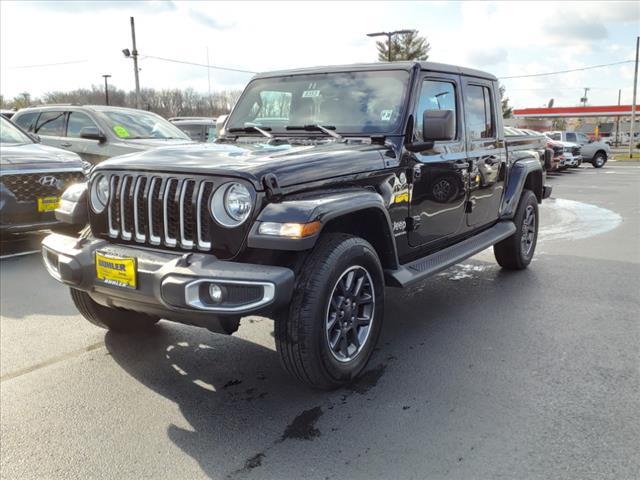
(19, 254)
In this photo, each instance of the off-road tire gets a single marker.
(110, 318)
(301, 338)
(510, 252)
(599, 159)
(230, 325)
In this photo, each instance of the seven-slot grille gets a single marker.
(26, 187)
(154, 210)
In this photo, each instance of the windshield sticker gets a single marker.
(121, 131)
(310, 93)
(385, 115)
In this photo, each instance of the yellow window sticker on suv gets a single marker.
(121, 131)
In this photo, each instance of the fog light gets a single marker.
(215, 292)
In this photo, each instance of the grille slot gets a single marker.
(156, 210)
(26, 187)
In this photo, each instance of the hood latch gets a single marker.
(274, 192)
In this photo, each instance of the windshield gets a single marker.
(131, 125)
(9, 133)
(353, 102)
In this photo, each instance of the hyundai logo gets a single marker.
(50, 181)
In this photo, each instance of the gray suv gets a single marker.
(97, 132)
(594, 152)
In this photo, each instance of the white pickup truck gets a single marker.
(596, 153)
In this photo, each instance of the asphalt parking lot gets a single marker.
(480, 374)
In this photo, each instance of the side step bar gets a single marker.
(422, 268)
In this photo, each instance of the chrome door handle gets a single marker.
(65, 144)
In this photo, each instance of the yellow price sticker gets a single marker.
(121, 131)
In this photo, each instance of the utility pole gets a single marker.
(209, 81)
(617, 141)
(106, 89)
(633, 105)
(389, 36)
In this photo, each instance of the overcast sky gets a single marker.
(504, 38)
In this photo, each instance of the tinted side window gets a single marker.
(27, 120)
(571, 137)
(77, 121)
(480, 119)
(555, 136)
(50, 123)
(435, 95)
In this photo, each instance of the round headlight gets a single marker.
(237, 202)
(100, 193)
(231, 204)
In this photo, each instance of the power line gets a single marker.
(50, 64)
(568, 71)
(199, 64)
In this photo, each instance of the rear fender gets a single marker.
(525, 172)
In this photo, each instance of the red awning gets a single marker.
(598, 111)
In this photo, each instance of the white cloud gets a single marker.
(507, 38)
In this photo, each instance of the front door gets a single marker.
(439, 188)
(91, 151)
(486, 153)
(50, 127)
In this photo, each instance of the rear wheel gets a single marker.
(110, 318)
(328, 335)
(516, 251)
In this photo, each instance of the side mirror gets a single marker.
(437, 125)
(93, 133)
(35, 137)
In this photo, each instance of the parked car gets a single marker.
(200, 129)
(32, 179)
(521, 140)
(595, 152)
(98, 132)
(381, 174)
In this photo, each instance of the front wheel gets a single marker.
(516, 251)
(328, 335)
(599, 160)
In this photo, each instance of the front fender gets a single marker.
(525, 171)
(323, 207)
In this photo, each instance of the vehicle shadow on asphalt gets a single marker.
(452, 352)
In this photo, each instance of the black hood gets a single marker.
(36, 156)
(292, 164)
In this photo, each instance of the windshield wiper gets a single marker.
(252, 128)
(328, 129)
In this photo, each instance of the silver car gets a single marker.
(98, 132)
(595, 152)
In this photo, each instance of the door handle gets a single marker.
(65, 144)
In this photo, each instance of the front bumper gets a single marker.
(170, 285)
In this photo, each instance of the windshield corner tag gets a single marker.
(274, 192)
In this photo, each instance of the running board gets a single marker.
(422, 268)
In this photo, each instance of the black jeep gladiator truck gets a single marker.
(326, 185)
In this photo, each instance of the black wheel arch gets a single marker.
(358, 212)
(525, 173)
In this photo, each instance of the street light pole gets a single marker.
(389, 36)
(106, 89)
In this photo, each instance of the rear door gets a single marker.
(50, 126)
(91, 151)
(439, 193)
(486, 152)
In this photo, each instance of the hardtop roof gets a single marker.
(404, 65)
